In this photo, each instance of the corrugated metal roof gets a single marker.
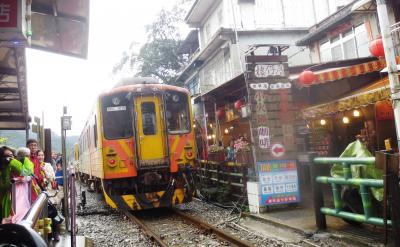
(61, 26)
(13, 91)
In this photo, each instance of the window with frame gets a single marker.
(208, 31)
(193, 85)
(177, 112)
(325, 52)
(95, 131)
(149, 120)
(117, 116)
(88, 137)
(352, 43)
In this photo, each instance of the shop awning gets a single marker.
(370, 94)
(13, 91)
(61, 26)
(338, 73)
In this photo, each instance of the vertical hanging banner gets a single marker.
(270, 95)
(272, 123)
(13, 20)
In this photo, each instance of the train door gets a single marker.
(150, 131)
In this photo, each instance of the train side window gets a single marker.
(117, 116)
(88, 137)
(149, 118)
(95, 131)
(177, 112)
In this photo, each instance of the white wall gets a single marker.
(260, 15)
(224, 64)
(371, 24)
(267, 14)
(216, 71)
(211, 23)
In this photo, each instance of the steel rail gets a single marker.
(222, 235)
(146, 230)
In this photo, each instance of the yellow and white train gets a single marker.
(138, 146)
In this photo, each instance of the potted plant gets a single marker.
(243, 151)
(216, 153)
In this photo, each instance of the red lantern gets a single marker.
(220, 113)
(376, 48)
(307, 77)
(238, 104)
(384, 110)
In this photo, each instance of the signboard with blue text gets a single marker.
(279, 182)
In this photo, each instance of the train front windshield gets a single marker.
(177, 112)
(117, 116)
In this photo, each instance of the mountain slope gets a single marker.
(16, 139)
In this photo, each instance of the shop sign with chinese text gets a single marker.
(268, 70)
(13, 24)
(272, 111)
(278, 182)
(270, 86)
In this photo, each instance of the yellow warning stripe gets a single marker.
(175, 144)
(125, 147)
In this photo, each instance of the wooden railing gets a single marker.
(231, 175)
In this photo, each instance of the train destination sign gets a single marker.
(116, 108)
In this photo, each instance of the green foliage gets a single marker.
(160, 57)
(17, 138)
(3, 140)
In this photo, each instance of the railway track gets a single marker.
(173, 227)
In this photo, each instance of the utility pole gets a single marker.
(390, 57)
(47, 146)
(65, 125)
(36, 129)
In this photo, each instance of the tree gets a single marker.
(3, 140)
(160, 57)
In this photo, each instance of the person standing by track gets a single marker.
(8, 167)
(33, 146)
(22, 185)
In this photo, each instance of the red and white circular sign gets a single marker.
(277, 150)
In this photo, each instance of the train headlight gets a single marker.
(112, 162)
(175, 98)
(116, 101)
(189, 153)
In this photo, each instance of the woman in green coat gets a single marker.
(8, 167)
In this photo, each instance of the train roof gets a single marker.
(144, 88)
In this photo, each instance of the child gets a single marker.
(59, 196)
(60, 183)
(59, 175)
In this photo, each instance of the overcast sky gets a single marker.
(55, 81)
